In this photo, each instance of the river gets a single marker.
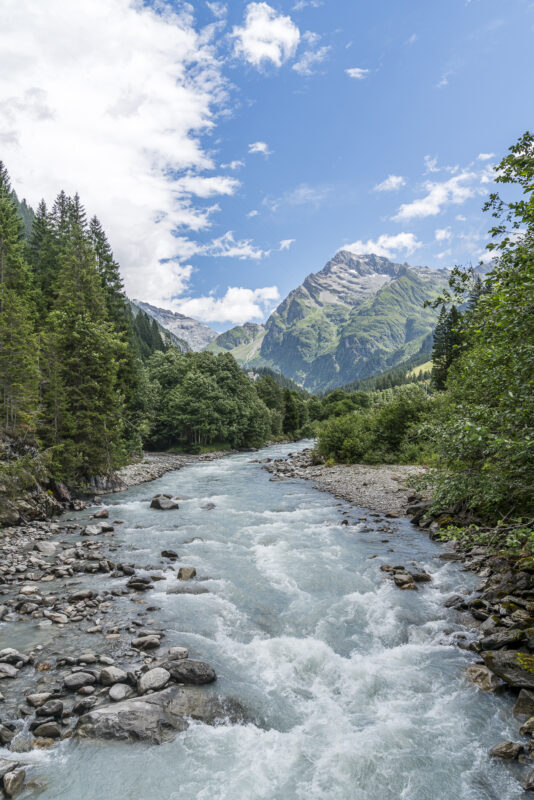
(354, 687)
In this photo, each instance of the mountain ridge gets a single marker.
(197, 334)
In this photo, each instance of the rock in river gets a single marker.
(153, 718)
(163, 503)
(110, 675)
(188, 670)
(186, 573)
(153, 679)
(515, 668)
(509, 751)
(13, 782)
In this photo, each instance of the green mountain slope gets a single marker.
(357, 317)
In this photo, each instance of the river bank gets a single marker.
(85, 595)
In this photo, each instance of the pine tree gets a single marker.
(18, 343)
(447, 345)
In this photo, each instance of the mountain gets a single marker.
(196, 334)
(166, 335)
(243, 341)
(358, 316)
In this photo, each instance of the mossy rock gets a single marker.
(516, 668)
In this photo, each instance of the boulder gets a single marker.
(7, 766)
(169, 554)
(515, 668)
(154, 717)
(13, 782)
(8, 671)
(524, 703)
(188, 670)
(102, 513)
(46, 548)
(38, 699)
(527, 781)
(509, 751)
(163, 503)
(176, 653)
(186, 573)
(482, 677)
(53, 708)
(499, 639)
(154, 680)
(110, 675)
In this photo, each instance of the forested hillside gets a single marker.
(85, 381)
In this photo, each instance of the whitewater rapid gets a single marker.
(355, 689)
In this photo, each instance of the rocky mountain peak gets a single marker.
(195, 333)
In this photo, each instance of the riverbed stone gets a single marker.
(120, 691)
(527, 781)
(154, 679)
(154, 717)
(102, 513)
(50, 730)
(508, 751)
(8, 671)
(7, 766)
(176, 653)
(53, 708)
(146, 642)
(38, 698)
(186, 573)
(163, 503)
(189, 670)
(78, 679)
(499, 639)
(514, 667)
(110, 675)
(14, 782)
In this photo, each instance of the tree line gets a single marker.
(474, 423)
(88, 381)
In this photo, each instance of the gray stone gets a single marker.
(102, 513)
(527, 781)
(46, 548)
(111, 675)
(146, 642)
(524, 703)
(163, 503)
(495, 641)
(14, 782)
(154, 679)
(58, 618)
(188, 670)
(8, 671)
(120, 691)
(509, 751)
(49, 730)
(53, 708)
(38, 699)
(528, 727)
(515, 668)
(78, 679)
(186, 573)
(154, 717)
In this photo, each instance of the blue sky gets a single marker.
(232, 149)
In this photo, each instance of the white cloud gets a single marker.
(485, 156)
(201, 186)
(452, 191)
(218, 10)
(357, 73)
(310, 59)
(461, 218)
(391, 184)
(285, 244)
(413, 38)
(442, 234)
(226, 246)
(302, 195)
(109, 98)
(386, 245)
(431, 164)
(259, 147)
(253, 213)
(238, 305)
(233, 165)
(300, 4)
(266, 37)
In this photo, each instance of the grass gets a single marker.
(426, 367)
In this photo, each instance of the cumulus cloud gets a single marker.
(253, 213)
(285, 244)
(226, 246)
(233, 165)
(442, 234)
(391, 184)
(386, 245)
(357, 73)
(455, 191)
(266, 37)
(300, 4)
(110, 98)
(218, 10)
(259, 147)
(238, 305)
(310, 59)
(485, 156)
